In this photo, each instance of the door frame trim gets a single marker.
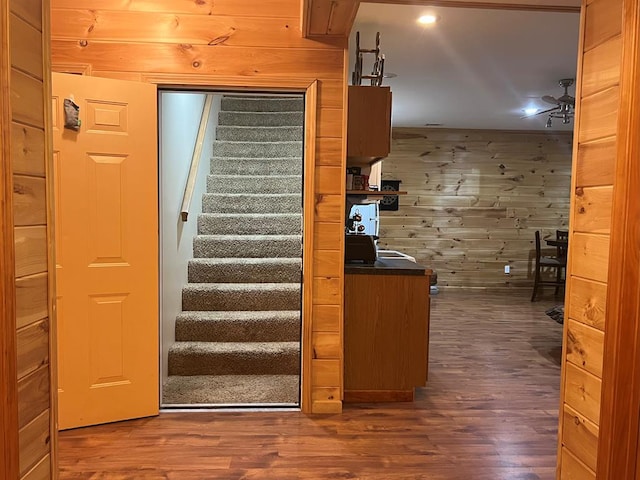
(310, 90)
(9, 445)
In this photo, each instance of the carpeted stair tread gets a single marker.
(259, 134)
(231, 389)
(238, 326)
(256, 166)
(260, 119)
(232, 103)
(223, 148)
(245, 270)
(251, 203)
(241, 246)
(249, 223)
(234, 358)
(241, 296)
(263, 184)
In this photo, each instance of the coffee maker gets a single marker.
(360, 234)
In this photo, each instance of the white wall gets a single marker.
(180, 114)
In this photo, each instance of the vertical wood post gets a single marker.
(620, 412)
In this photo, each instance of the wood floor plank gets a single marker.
(489, 412)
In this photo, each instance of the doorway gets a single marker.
(231, 248)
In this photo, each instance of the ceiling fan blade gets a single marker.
(550, 99)
(554, 109)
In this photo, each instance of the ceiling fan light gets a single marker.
(427, 19)
(549, 123)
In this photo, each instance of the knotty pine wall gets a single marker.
(236, 40)
(474, 200)
(598, 98)
(28, 26)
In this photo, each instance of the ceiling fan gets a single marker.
(564, 105)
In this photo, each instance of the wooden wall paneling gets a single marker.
(35, 442)
(327, 345)
(595, 163)
(31, 299)
(328, 263)
(325, 235)
(602, 22)
(593, 209)
(33, 391)
(620, 417)
(201, 59)
(27, 150)
(582, 392)
(29, 10)
(33, 347)
(328, 207)
(9, 447)
(27, 103)
(188, 29)
(574, 469)
(586, 302)
(601, 66)
(582, 343)
(29, 200)
(275, 8)
(581, 437)
(331, 93)
(329, 151)
(585, 347)
(598, 115)
(590, 256)
(330, 122)
(329, 180)
(42, 471)
(475, 198)
(26, 47)
(31, 250)
(327, 318)
(327, 290)
(326, 373)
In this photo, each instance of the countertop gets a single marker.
(386, 266)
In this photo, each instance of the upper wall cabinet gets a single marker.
(369, 124)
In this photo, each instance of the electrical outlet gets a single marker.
(507, 269)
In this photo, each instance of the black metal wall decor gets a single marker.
(390, 202)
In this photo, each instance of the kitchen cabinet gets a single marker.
(386, 330)
(368, 124)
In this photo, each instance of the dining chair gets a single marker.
(543, 265)
(562, 235)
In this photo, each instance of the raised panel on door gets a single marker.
(105, 180)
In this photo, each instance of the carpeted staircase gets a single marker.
(238, 336)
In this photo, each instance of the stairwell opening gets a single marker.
(231, 274)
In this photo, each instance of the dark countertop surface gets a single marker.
(386, 266)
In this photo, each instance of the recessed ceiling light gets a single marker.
(427, 19)
(530, 111)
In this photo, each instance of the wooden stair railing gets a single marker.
(195, 159)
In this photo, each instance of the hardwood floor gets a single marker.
(489, 412)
